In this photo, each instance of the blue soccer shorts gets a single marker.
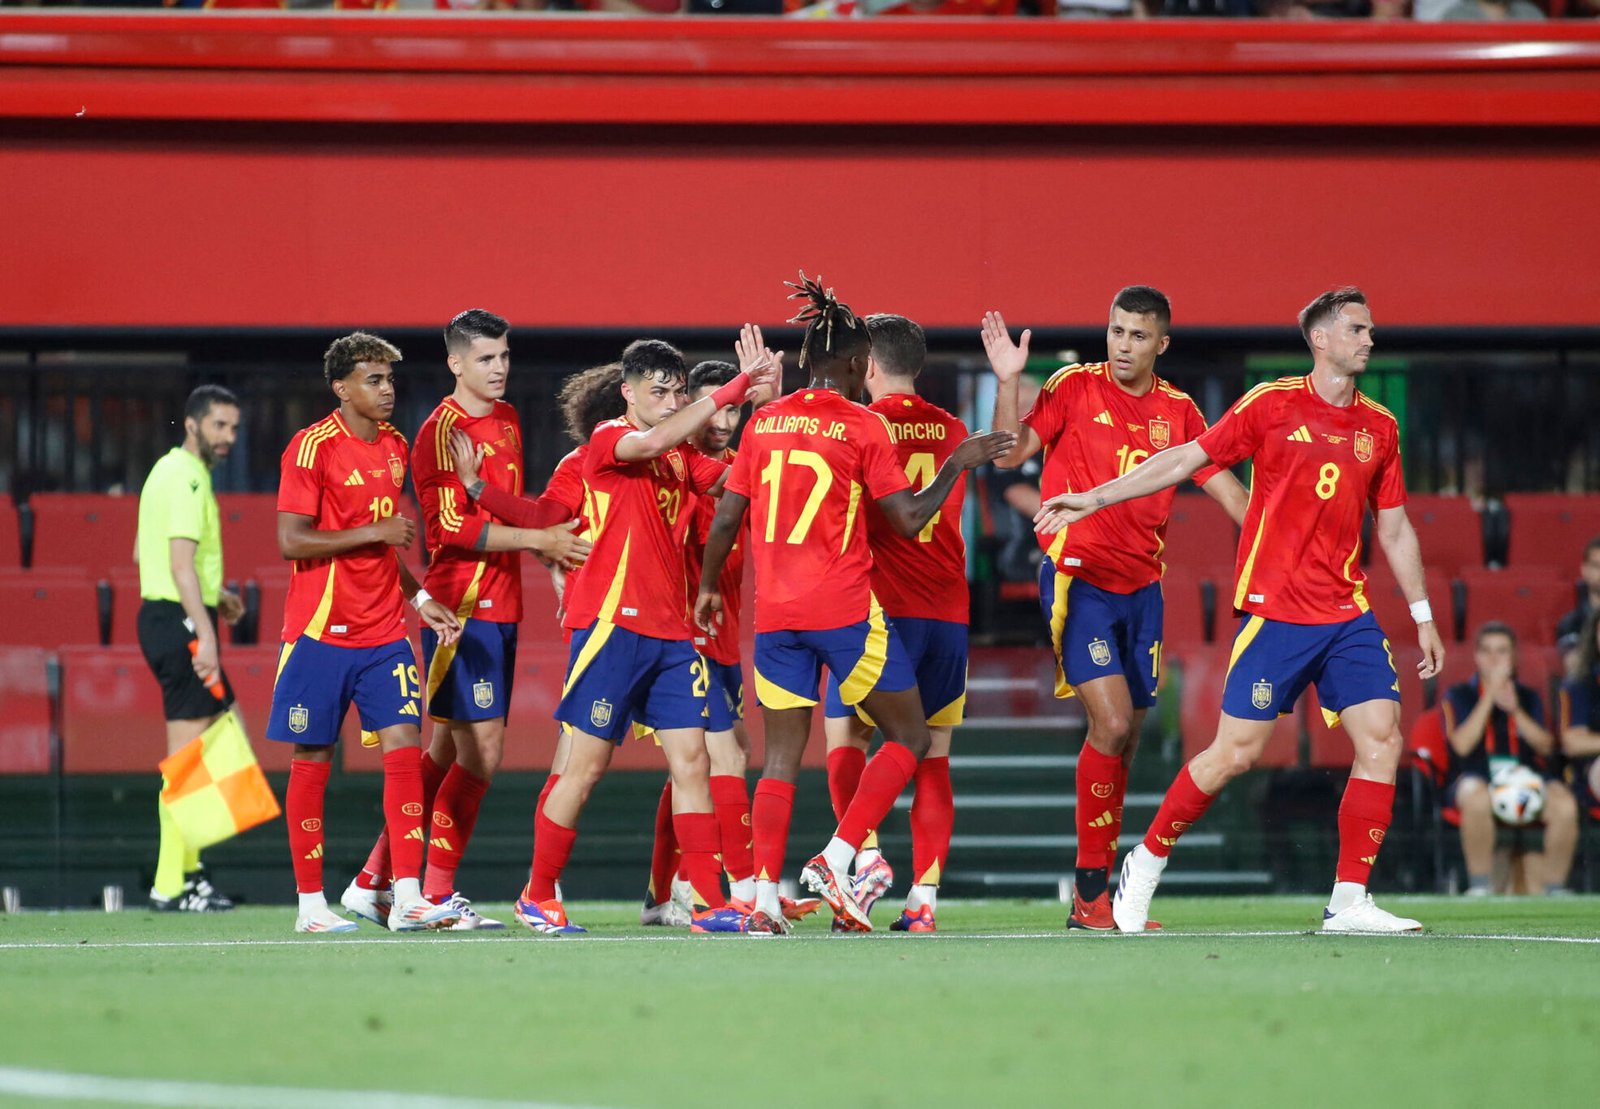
(317, 682)
(616, 677)
(1096, 633)
(937, 651)
(1273, 662)
(869, 654)
(471, 678)
(724, 696)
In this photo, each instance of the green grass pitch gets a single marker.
(1498, 1003)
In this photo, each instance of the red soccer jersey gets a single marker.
(484, 585)
(635, 574)
(724, 646)
(805, 462)
(341, 481)
(1317, 468)
(1092, 432)
(923, 577)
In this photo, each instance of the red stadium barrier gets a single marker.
(47, 608)
(10, 536)
(1450, 531)
(249, 532)
(1551, 529)
(95, 531)
(1532, 600)
(25, 723)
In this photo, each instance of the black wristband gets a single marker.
(475, 490)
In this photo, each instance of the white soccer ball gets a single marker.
(1517, 796)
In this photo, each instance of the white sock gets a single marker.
(407, 890)
(866, 857)
(742, 890)
(923, 895)
(767, 898)
(1344, 895)
(313, 903)
(839, 855)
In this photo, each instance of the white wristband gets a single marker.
(1422, 611)
(423, 597)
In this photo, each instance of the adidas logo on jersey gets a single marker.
(355, 478)
(1299, 435)
(1105, 418)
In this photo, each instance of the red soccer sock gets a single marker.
(403, 811)
(933, 817)
(664, 850)
(455, 813)
(1181, 807)
(699, 837)
(881, 782)
(1099, 807)
(552, 847)
(845, 765)
(302, 808)
(376, 873)
(730, 797)
(1364, 816)
(769, 826)
(549, 784)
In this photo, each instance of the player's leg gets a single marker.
(556, 831)
(1560, 835)
(728, 745)
(1469, 796)
(558, 763)
(660, 901)
(370, 895)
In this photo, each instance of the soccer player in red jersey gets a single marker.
(631, 655)
(475, 570)
(1100, 584)
(921, 582)
(1323, 452)
(804, 466)
(344, 632)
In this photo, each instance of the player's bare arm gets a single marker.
(1160, 471)
(299, 537)
(555, 545)
(1008, 359)
(719, 541)
(641, 446)
(752, 351)
(1579, 741)
(1231, 494)
(910, 512)
(1399, 542)
(434, 614)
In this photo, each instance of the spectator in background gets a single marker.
(1580, 716)
(1503, 10)
(1572, 623)
(1490, 719)
(1013, 499)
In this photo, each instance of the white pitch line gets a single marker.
(440, 943)
(65, 1086)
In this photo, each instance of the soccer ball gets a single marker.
(1517, 796)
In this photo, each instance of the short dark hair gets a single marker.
(1145, 300)
(1588, 650)
(205, 398)
(591, 397)
(1320, 312)
(898, 344)
(1494, 627)
(349, 351)
(833, 332)
(474, 323)
(713, 373)
(653, 358)
(1592, 546)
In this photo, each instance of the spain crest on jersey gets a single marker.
(600, 713)
(675, 459)
(397, 471)
(1261, 695)
(299, 719)
(483, 694)
(1160, 434)
(1100, 652)
(1363, 446)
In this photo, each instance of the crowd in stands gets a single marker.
(1422, 10)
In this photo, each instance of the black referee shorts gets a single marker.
(164, 638)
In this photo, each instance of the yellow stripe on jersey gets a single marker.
(850, 515)
(1247, 634)
(312, 440)
(319, 619)
(445, 654)
(1062, 374)
(1281, 385)
(1362, 398)
(874, 655)
(1058, 628)
(449, 514)
(1359, 590)
(392, 430)
(441, 439)
(1243, 588)
(608, 607)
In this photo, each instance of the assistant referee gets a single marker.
(180, 580)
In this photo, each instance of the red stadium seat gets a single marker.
(1202, 540)
(111, 715)
(1531, 600)
(125, 602)
(1450, 531)
(249, 532)
(10, 535)
(93, 530)
(25, 724)
(1551, 529)
(1183, 619)
(47, 609)
(273, 582)
(1389, 604)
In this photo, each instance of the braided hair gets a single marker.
(833, 331)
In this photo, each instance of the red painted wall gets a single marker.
(303, 171)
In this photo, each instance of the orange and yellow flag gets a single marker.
(214, 787)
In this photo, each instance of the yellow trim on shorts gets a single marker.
(1058, 628)
(1252, 628)
(443, 656)
(950, 716)
(868, 669)
(591, 648)
(283, 660)
(774, 696)
(1329, 717)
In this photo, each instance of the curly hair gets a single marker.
(349, 351)
(591, 397)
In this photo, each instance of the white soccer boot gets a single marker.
(1365, 916)
(371, 906)
(1141, 873)
(471, 919)
(323, 920)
